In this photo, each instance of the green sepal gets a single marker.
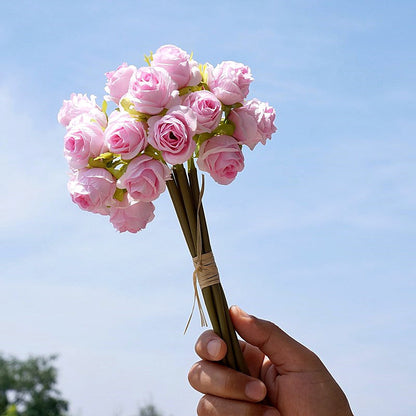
(204, 86)
(119, 194)
(226, 109)
(196, 152)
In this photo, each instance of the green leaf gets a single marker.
(185, 90)
(154, 153)
(101, 161)
(117, 166)
(204, 73)
(199, 87)
(129, 108)
(30, 385)
(149, 58)
(106, 157)
(226, 127)
(201, 138)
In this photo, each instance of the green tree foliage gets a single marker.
(11, 411)
(149, 410)
(28, 387)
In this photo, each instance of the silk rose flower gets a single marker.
(178, 64)
(80, 104)
(130, 215)
(145, 178)
(151, 89)
(254, 123)
(92, 189)
(125, 135)
(229, 81)
(173, 134)
(222, 158)
(118, 82)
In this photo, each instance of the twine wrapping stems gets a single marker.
(206, 270)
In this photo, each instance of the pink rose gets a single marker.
(82, 141)
(173, 134)
(265, 116)
(208, 110)
(196, 76)
(245, 126)
(125, 135)
(118, 82)
(175, 61)
(131, 215)
(229, 81)
(222, 158)
(253, 123)
(145, 178)
(94, 116)
(151, 90)
(80, 104)
(92, 189)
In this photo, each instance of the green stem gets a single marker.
(209, 303)
(194, 185)
(212, 312)
(183, 184)
(238, 354)
(185, 194)
(181, 214)
(225, 334)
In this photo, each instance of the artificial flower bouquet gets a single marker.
(170, 118)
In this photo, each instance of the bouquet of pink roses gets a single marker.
(171, 112)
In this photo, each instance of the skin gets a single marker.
(286, 378)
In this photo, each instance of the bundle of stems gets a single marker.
(186, 196)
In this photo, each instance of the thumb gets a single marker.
(283, 351)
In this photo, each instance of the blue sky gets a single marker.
(317, 234)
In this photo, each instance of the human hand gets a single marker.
(290, 377)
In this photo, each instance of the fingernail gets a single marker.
(255, 390)
(213, 348)
(241, 312)
(269, 412)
